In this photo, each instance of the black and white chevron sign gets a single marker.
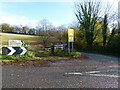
(14, 50)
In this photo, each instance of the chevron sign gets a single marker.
(14, 50)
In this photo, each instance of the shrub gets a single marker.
(59, 53)
(30, 54)
(65, 53)
(9, 57)
(75, 54)
(42, 53)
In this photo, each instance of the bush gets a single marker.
(42, 53)
(30, 54)
(9, 57)
(59, 53)
(65, 53)
(75, 54)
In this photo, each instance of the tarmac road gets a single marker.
(97, 71)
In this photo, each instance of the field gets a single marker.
(28, 39)
(31, 40)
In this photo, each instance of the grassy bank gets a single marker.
(27, 38)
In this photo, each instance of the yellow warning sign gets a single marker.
(70, 35)
(70, 32)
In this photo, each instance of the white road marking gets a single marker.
(93, 72)
(114, 66)
(74, 73)
(113, 76)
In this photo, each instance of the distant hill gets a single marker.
(28, 39)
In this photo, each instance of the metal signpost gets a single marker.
(70, 38)
(14, 50)
(15, 47)
(15, 43)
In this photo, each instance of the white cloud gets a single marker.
(15, 19)
(18, 20)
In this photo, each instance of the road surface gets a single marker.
(97, 71)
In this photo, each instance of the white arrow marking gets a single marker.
(24, 50)
(12, 51)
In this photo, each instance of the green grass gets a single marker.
(17, 58)
(75, 54)
(24, 58)
(53, 58)
(26, 38)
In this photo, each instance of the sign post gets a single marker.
(15, 47)
(15, 43)
(70, 38)
(14, 50)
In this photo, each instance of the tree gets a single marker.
(80, 37)
(17, 29)
(0, 28)
(104, 30)
(59, 33)
(43, 31)
(25, 29)
(87, 15)
(32, 31)
(112, 35)
(7, 28)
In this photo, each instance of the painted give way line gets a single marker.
(93, 73)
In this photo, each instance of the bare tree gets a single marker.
(44, 27)
(119, 16)
(59, 33)
(74, 25)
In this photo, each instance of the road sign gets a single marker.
(70, 38)
(70, 32)
(16, 43)
(70, 35)
(14, 50)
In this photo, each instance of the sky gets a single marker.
(31, 13)
(26, 12)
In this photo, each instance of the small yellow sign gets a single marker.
(70, 39)
(70, 32)
(70, 35)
